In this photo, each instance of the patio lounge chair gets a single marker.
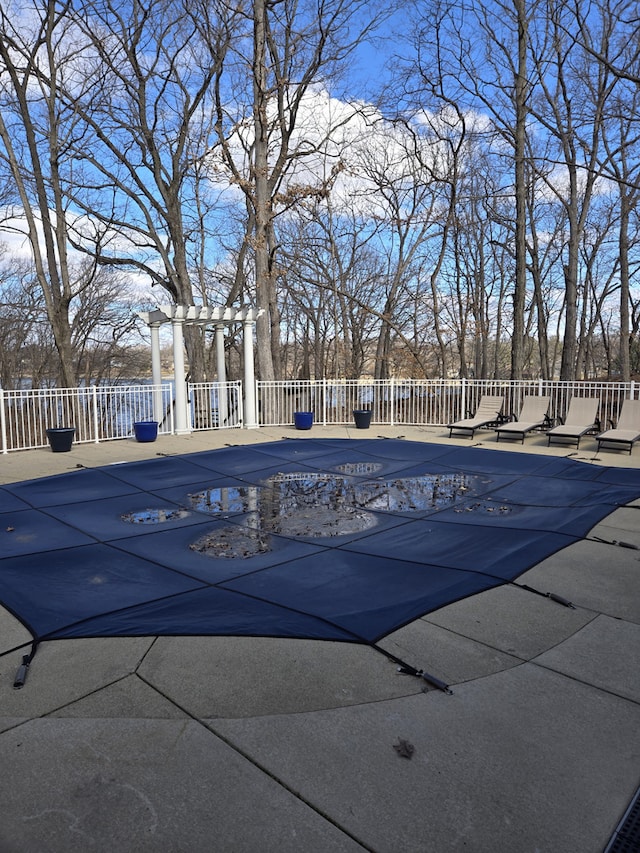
(627, 430)
(488, 412)
(533, 415)
(582, 416)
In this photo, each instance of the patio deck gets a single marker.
(244, 745)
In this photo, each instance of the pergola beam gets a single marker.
(200, 314)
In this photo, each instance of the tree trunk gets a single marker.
(262, 195)
(569, 342)
(623, 248)
(521, 92)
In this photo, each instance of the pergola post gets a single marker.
(250, 420)
(181, 424)
(156, 372)
(221, 373)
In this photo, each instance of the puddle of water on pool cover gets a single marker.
(154, 516)
(303, 504)
(316, 506)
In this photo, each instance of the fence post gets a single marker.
(392, 392)
(323, 390)
(239, 400)
(3, 422)
(94, 400)
(256, 415)
(171, 408)
(463, 398)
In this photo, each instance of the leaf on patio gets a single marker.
(404, 748)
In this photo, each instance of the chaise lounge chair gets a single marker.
(627, 430)
(582, 416)
(533, 415)
(488, 412)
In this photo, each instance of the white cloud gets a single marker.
(349, 145)
(14, 235)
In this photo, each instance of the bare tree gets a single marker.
(520, 97)
(570, 105)
(331, 275)
(145, 105)
(528, 69)
(621, 141)
(35, 132)
(403, 167)
(21, 313)
(622, 59)
(292, 49)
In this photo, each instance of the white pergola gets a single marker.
(201, 315)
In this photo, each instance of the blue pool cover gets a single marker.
(327, 539)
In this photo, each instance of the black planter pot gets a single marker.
(61, 438)
(362, 417)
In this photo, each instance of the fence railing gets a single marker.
(428, 402)
(106, 413)
(103, 413)
(97, 413)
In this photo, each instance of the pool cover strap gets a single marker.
(617, 542)
(23, 669)
(553, 596)
(407, 669)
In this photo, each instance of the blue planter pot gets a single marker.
(303, 420)
(60, 438)
(146, 430)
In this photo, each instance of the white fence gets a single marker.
(106, 413)
(428, 402)
(97, 413)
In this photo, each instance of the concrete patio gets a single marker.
(243, 745)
